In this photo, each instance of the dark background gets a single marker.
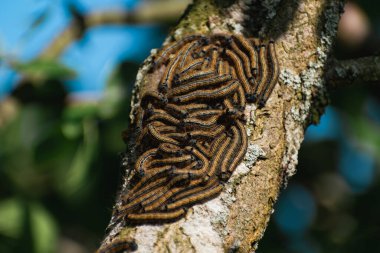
(61, 123)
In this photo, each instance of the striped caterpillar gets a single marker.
(119, 246)
(190, 125)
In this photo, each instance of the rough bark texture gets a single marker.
(347, 72)
(235, 221)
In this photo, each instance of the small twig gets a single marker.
(160, 11)
(347, 72)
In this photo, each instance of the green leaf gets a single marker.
(44, 229)
(11, 213)
(77, 175)
(80, 111)
(113, 98)
(367, 134)
(72, 126)
(71, 130)
(44, 69)
(117, 94)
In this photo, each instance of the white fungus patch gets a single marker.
(220, 210)
(290, 79)
(294, 135)
(237, 17)
(254, 152)
(202, 234)
(241, 170)
(250, 114)
(249, 132)
(146, 237)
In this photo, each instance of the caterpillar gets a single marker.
(119, 246)
(191, 134)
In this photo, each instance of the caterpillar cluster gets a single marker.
(191, 124)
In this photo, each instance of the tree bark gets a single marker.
(348, 72)
(304, 31)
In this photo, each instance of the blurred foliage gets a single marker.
(59, 168)
(43, 69)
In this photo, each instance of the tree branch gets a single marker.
(149, 12)
(235, 221)
(155, 11)
(347, 72)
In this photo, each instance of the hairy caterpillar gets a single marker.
(190, 130)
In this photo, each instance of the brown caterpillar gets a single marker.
(191, 134)
(119, 246)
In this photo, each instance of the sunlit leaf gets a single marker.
(74, 116)
(113, 96)
(44, 229)
(77, 174)
(43, 69)
(71, 130)
(117, 94)
(77, 112)
(367, 134)
(11, 213)
(112, 99)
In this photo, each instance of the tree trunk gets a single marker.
(304, 31)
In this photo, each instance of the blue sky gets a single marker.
(93, 61)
